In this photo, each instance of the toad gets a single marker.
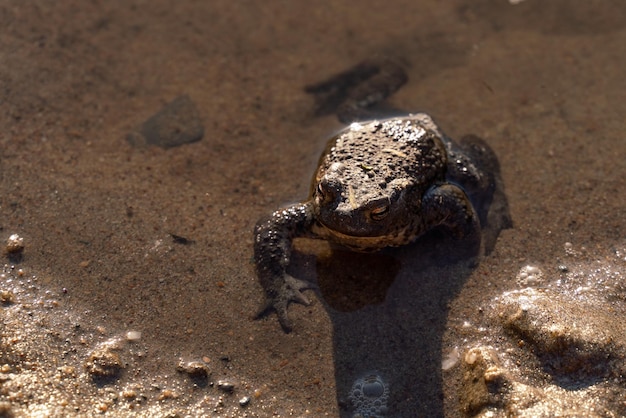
(379, 183)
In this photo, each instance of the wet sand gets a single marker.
(541, 83)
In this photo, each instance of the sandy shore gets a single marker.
(120, 238)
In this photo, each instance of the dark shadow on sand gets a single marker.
(389, 314)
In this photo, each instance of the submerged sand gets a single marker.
(108, 311)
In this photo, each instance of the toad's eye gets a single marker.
(379, 212)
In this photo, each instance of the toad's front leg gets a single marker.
(449, 206)
(272, 251)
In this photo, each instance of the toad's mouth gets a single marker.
(360, 242)
(332, 230)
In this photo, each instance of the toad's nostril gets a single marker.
(321, 190)
(328, 190)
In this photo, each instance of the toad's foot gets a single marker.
(289, 291)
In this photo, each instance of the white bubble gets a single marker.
(369, 396)
(529, 276)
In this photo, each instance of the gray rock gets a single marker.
(177, 123)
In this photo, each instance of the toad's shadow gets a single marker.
(389, 314)
(388, 310)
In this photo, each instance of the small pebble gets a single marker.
(67, 371)
(7, 297)
(103, 363)
(225, 385)
(128, 394)
(245, 401)
(194, 369)
(167, 394)
(451, 359)
(15, 244)
(133, 336)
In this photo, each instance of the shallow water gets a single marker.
(541, 82)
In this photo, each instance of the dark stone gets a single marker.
(177, 123)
